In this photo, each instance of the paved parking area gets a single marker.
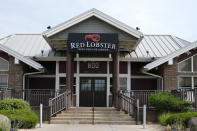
(78, 127)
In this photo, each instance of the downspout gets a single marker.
(26, 74)
(158, 76)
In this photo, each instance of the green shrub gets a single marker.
(181, 118)
(166, 102)
(12, 104)
(5, 123)
(163, 117)
(21, 118)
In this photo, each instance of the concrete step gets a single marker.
(83, 115)
(90, 109)
(90, 115)
(90, 112)
(96, 118)
(95, 122)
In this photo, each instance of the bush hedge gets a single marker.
(5, 123)
(21, 118)
(163, 118)
(166, 102)
(12, 104)
(180, 118)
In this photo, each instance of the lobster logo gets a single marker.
(93, 37)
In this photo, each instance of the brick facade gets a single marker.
(170, 74)
(15, 73)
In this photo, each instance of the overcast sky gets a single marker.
(176, 17)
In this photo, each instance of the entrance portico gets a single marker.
(94, 43)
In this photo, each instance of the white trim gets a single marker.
(170, 56)
(170, 62)
(16, 61)
(94, 75)
(41, 76)
(98, 14)
(26, 60)
(77, 84)
(143, 77)
(108, 84)
(131, 59)
(7, 62)
(92, 59)
(50, 58)
(129, 76)
(57, 76)
(192, 64)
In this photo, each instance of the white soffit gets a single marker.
(170, 56)
(98, 14)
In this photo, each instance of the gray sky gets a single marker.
(176, 17)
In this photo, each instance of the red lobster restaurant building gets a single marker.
(94, 56)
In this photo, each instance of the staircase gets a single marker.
(84, 115)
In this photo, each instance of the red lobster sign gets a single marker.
(93, 37)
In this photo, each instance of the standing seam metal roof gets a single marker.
(157, 46)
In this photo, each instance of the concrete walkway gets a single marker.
(78, 127)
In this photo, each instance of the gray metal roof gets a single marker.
(174, 54)
(19, 56)
(27, 44)
(157, 46)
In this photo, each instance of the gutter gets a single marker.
(158, 76)
(26, 74)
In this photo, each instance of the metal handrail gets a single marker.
(127, 104)
(59, 103)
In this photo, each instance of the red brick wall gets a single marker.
(15, 73)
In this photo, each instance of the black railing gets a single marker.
(34, 96)
(59, 103)
(127, 104)
(187, 95)
(142, 95)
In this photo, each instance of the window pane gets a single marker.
(195, 81)
(62, 83)
(62, 80)
(195, 63)
(185, 82)
(3, 64)
(185, 65)
(3, 81)
(123, 83)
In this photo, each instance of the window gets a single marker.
(195, 63)
(62, 83)
(185, 65)
(185, 82)
(188, 82)
(195, 82)
(123, 83)
(3, 81)
(189, 65)
(4, 65)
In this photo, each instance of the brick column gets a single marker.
(69, 72)
(116, 80)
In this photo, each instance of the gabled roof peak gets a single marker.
(100, 15)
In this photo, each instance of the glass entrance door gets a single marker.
(93, 92)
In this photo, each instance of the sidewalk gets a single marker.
(64, 127)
